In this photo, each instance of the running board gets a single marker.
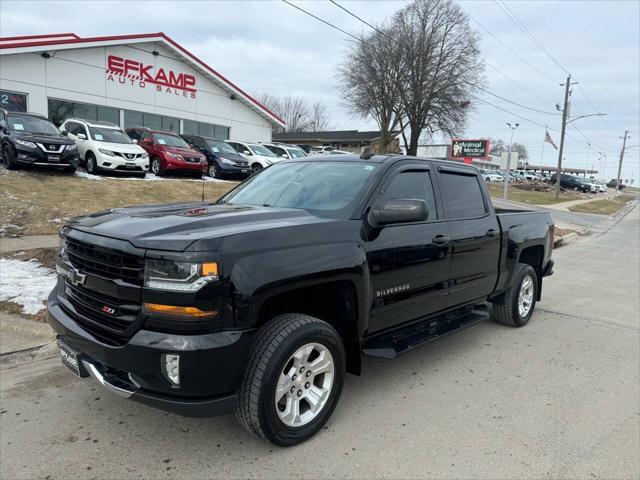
(392, 344)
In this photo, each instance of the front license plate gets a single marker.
(69, 359)
(245, 171)
(53, 158)
(130, 165)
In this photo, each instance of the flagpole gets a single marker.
(544, 140)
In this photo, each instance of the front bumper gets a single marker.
(227, 170)
(36, 157)
(211, 365)
(118, 163)
(182, 165)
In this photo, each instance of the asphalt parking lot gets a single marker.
(556, 399)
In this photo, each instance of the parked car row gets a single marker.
(31, 139)
(567, 181)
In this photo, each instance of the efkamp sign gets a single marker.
(461, 149)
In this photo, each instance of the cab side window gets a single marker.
(462, 196)
(411, 184)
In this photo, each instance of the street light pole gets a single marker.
(506, 179)
(565, 115)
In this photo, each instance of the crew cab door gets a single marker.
(474, 232)
(409, 262)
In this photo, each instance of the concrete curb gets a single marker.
(563, 240)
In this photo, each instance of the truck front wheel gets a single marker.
(293, 379)
(515, 307)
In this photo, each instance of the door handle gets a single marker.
(440, 240)
(491, 232)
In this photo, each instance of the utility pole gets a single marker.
(624, 144)
(506, 180)
(565, 116)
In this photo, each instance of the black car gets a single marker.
(570, 182)
(31, 139)
(261, 301)
(223, 160)
(613, 183)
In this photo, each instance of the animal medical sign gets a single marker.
(133, 72)
(469, 148)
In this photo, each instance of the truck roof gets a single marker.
(381, 158)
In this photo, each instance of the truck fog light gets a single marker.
(171, 367)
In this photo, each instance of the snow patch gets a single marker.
(25, 283)
(149, 177)
(88, 176)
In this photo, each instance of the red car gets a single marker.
(168, 151)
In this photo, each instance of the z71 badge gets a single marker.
(392, 290)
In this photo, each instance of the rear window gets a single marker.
(462, 196)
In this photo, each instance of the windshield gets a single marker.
(327, 189)
(221, 147)
(27, 123)
(260, 150)
(111, 135)
(170, 140)
(295, 152)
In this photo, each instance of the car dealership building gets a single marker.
(132, 80)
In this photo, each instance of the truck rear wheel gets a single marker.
(515, 307)
(293, 379)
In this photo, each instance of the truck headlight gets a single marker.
(107, 152)
(72, 147)
(179, 276)
(227, 161)
(174, 155)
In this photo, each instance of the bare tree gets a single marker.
(370, 82)
(296, 112)
(318, 117)
(442, 62)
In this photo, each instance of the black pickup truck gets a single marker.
(259, 302)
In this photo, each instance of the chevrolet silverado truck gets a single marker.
(259, 302)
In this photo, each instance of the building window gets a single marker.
(60, 110)
(191, 127)
(12, 101)
(152, 121)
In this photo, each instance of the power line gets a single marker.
(500, 72)
(321, 20)
(513, 51)
(357, 17)
(512, 16)
(516, 103)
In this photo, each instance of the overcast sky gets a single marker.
(268, 46)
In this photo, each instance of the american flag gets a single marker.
(548, 139)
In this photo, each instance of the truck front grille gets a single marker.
(105, 262)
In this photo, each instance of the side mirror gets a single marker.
(64, 132)
(135, 141)
(81, 136)
(284, 155)
(147, 140)
(399, 211)
(246, 152)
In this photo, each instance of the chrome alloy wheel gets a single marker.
(525, 297)
(304, 385)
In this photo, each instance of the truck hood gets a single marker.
(175, 227)
(121, 147)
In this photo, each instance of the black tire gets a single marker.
(92, 164)
(506, 307)
(274, 345)
(9, 158)
(156, 166)
(213, 171)
(255, 168)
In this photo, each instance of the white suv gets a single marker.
(105, 147)
(259, 156)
